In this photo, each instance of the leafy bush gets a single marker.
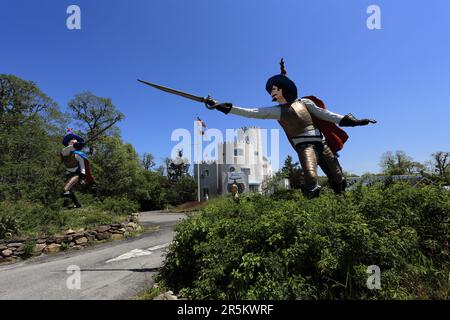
(288, 247)
(119, 206)
(8, 226)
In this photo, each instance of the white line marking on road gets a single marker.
(132, 254)
(161, 246)
(138, 253)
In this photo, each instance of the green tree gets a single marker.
(398, 164)
(30, 132)
(293, 172)
(148, 161)
(178, 167)
(116, 167)
(441, 165)
(94, 114)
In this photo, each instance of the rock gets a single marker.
(132, 225)
(19, 239)
(59, 239)
(3, 247)
(134, 217)
(77, 247)
(103, 236)
(90, 238)
(130, 229)
(50, 241)
(38, 248)
(70, 231)
(71, 244)
(117, 236)
(52, 248)
(118, 231)
(19, 253)
(78, 235)
(170, 296)
(9, 260)
(81, 241)
(159, 297)
(7, 253)
(81, 230)
(15, 245)
(41, 241)
(103, 229)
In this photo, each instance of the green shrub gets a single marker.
(8, 226)
(288, 247)
(119, 206)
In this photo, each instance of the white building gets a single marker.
(240, 161)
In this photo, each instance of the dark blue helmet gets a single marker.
(71, 136)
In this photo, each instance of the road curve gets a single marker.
(111, 271)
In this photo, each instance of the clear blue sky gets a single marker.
(399, 75)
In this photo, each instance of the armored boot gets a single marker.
(75, 200)
(338, 187)
(311, 193)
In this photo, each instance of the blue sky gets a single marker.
(399, 75)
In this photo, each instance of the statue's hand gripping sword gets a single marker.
(208, 101)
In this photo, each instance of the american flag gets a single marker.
(202, 124)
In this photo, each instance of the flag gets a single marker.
(202, 124)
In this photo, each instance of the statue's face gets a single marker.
(277, 95)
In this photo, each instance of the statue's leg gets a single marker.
(71, 182)
(329, 164)
(308, 157)
(68, 186)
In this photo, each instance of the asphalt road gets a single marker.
(115, 271)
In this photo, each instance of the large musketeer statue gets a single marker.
(311, 129)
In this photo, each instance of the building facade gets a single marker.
(240, 161)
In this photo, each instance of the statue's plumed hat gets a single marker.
(283, 82)
(71, 136)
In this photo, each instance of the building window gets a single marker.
(238, 152)
(246, 171)
(205, 192)
(206, 173)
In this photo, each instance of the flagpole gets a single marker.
(198, 163)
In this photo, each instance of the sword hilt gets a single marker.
(210, 102)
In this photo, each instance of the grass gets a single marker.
(149, 293)
(34, 220)
(189, 207)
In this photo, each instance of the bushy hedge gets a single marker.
(288, 247)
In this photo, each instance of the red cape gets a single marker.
(335, 136)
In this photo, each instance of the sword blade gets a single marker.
(173, 91)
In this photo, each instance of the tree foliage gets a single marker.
(31, 172)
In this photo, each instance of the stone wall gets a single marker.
(22, 248)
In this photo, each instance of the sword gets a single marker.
(118, 118)
(208, 101)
